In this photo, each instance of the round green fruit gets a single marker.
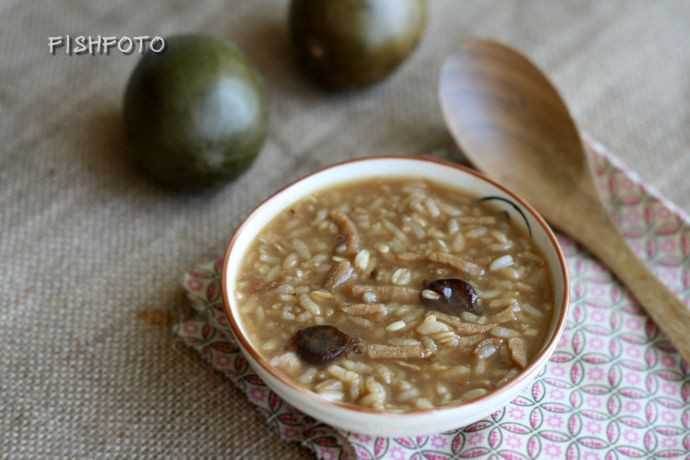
(195, 114)
(354, 43)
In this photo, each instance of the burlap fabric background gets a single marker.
(91, 251)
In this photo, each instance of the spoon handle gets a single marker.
(665, 308)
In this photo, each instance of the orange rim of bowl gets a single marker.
(519, 379)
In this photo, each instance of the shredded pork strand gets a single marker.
(339, 274)
(408, 365)
(380, 351)
(410, 256)
(457, 262)
(518, 351)
(462, 327)
(503, 316)
(360, 309)
(353, 242)
(389, 293)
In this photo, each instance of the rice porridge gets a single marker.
(395, 294)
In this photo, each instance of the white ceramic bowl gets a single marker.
(360, 419)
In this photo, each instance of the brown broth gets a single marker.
(396, 236)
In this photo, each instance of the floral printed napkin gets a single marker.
(613, 389)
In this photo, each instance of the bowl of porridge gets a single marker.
(395, 295)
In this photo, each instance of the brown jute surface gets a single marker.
(88, 243)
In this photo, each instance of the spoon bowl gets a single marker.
(512, 123)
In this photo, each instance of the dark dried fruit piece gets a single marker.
(321, 344)
(451, 296)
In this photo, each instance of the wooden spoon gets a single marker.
(512, 123)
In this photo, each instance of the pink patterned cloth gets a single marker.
(614, 388)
